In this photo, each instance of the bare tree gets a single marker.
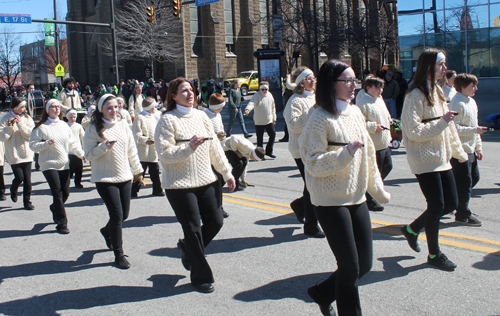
(137, 38)
(10, 57)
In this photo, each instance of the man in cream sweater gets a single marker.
(143, 129)
(264, 116)
(69, 97)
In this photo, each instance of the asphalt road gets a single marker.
(261, 260)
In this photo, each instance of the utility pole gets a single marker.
(58, 56)
(113, 41)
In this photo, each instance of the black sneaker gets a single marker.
(412, 239)
(225, 214)
(442, 262)
(325, 308)
(122, 262)
(62, 229)
(469, 221)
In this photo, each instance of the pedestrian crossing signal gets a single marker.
(495, 21)
(177, 8)
(151, 14)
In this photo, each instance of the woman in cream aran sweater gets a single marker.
(467, 174)
(431, 140)
(264, 116)
(188, 148)
(53, 139)
(15, 132)
(297, 111)
(109, 145)
(340, 166)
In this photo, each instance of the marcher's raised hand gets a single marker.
(231, 184)
(354, 145)
(196, 141)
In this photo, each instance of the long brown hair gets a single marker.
(173, 86)
(97, 116)
(45, 115)
(426, 67)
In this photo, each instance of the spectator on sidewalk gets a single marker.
(234, 108)
(390, 94)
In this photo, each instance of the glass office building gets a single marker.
(468, 30)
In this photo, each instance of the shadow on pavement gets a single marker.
(275, 169)
(36, 230)
(398, 182)
(285, 219)
(491, 262)
(481, 192)
(51, 267)
(296, 287)
(281, 235)
(147, 221)
(90, 202)
(49, 304)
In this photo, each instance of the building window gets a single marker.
(228, 22)
(264, 32)
(196, 45)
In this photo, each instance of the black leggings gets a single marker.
(238, 164)
(191, 207)
(22, 173)
(116, 196)
(2, 182)
(440, 193)
(58, 181)
(269, 128)
(349, 233)
(310, 220)
(466, 177)
(384, 164)
(154, 174)
(76, 168)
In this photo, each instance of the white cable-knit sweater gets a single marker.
(184, 167)
(430, 145)
(238, 143)
(69, 100)
(333, 176)
(449, 92)
(375, 112)
(54, 156)
(78, 131)
(143, 129)
(126, 116)
(86, 121)
(297, 111)
(265, 110)
(16, 139)
(2, 154)
(135, 105)
(466, 122)
(112, 165)
(216, 120)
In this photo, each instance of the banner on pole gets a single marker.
(50, 33)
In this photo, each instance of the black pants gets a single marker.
(310, 220)
(58, 181)
(37, 165)
(191, 207)
(269, 128)
(76, 168)
(2, 182)
(116, 196)
(384, 164)
(154, 174)
(238, 164)
(441, 195)
(22, 174)
(466, 177)
(349, 233)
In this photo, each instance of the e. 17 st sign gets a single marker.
(15, 18)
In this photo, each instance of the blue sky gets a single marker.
(39, 9)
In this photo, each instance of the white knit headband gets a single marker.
(216, 106)
(302, 75)
(70, 112)
(152, 105)
(47, 106)
(264, 86)
(20, 106)
(440, 56)
(121, 99)
(102, 100)
(254, 154)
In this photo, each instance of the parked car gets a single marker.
(249, 81)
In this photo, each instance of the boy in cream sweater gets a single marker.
(378, 120)
(75, 163)
(264, 116)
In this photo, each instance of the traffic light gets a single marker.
(495, 21)
(151, 14)
(177, 8)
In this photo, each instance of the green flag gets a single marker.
(50, 33)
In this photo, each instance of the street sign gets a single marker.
(59, 70)
(203, 2)
(15, 18)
